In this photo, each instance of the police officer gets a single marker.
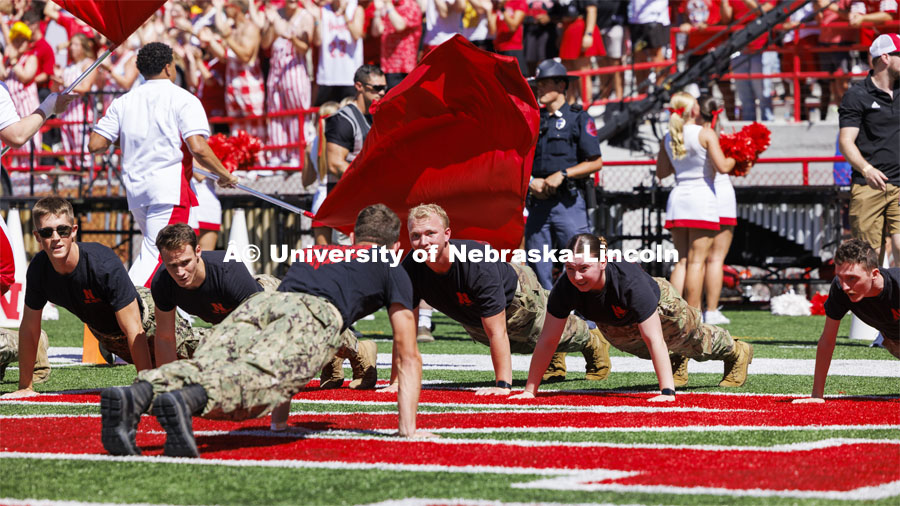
(567, 153)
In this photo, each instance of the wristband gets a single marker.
(503, 384)
(667, 391)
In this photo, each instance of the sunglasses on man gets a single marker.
(377, 88)
(62, 230)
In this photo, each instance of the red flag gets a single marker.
(460, 132)
(115, 19)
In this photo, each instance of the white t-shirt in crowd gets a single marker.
(642, 12)
(150, 123)
(437, 29)
(8, 114)
(341, 55)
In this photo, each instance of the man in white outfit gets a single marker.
(158, 126)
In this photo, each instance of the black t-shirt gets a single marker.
(339, 130)
(97, 288)
(881, 312)
(356, 288)
(877, 116)
(629, 296)
(227, 284)
(467, 292)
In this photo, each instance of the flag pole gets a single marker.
(268, 198)
(75, 83)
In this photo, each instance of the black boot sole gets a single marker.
(118, 429)
(172, 413)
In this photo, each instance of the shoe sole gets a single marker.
(175, 419)
(115, 432)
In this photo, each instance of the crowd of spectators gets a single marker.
(250, 58)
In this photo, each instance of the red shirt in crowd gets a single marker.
(697, 13)
(867, 35)
(46, 59)
(371, 45)
(505, 40)
(399, 49)
(739, 13)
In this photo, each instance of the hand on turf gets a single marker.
(25, 392)
(662, 398)
(492, 391)
(809, 400)
(390, 389)
(524, 395)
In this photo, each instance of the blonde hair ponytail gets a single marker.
(682, 105)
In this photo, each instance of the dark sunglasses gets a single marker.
(376, 87)
(62, 230)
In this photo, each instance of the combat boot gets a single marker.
(736, 364)
(42, 362)
(173, 411)
(332, 374)
(679, 369)
(596, 357)
(120, 412)
(556, 371)
(363, 364)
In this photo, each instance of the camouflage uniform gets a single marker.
(263, 353)
(682, 329)
(525, 319)
(185, 339)
(9, 353)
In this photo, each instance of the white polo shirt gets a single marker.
(150, 122)
(8, 114)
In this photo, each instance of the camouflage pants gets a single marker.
(682, 328)
(9, 353)
(525, 319)
(263, 353)
(185, 339)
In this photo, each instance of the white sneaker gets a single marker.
(715, 318)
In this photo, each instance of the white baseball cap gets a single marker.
(884, 44)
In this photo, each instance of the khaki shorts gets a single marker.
(874, 214)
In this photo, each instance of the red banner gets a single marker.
(460, 132)
(115, 19)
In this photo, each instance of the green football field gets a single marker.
(581, 442)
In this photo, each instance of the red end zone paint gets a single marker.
(837, 468)
(734, 410)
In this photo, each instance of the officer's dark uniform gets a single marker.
(567, 138)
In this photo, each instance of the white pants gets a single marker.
(150, 220)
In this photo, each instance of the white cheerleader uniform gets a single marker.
(726, 199)
(692, 203)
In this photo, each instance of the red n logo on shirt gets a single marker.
(464, 299)
(218, 308)
(895, 313)
(89, 297)
(619, 312)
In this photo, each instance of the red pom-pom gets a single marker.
(818, 304)
(745, 146)
(237, 152)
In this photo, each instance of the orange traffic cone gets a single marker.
(90, 352)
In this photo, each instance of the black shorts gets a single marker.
(653, 35)
(835, 61)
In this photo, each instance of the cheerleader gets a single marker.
(709, 112)
(693, 154)
(316, 169)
